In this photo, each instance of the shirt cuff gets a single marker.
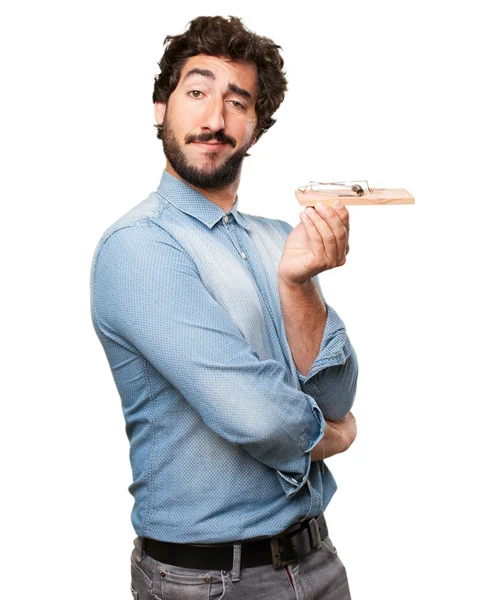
(335, 346)
(297, 475)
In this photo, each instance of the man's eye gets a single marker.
(195, 92)
(237, 104)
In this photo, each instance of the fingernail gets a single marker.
(338, 204)
(322, 206)
(310, 209)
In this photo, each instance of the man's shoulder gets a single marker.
(137, 216)
(140, 225)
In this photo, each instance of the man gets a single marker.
(236, 378)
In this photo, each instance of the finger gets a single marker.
(327, 236)
(317, 245)
(331, 217)
(338, 219)
(340, 216)
(342, 213)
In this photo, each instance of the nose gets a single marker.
(213, 116)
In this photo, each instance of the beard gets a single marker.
(209, 177)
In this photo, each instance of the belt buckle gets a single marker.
(276, 553)
(314, 535)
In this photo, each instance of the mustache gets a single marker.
(209, 137)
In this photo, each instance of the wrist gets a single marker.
(288, 283)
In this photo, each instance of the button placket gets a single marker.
(233, 239)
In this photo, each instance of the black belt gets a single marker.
(279, 550)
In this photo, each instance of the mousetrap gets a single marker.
(350, 193)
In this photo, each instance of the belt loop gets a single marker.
(315, 534)
(138, 551)
(235, 574)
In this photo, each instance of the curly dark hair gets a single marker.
(219, 36)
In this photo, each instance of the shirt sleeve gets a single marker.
(147, 293)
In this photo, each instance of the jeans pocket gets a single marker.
(137, 573)
(179, 583)
(141, 582)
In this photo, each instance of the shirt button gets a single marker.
(225, 219)
(224, 572)
(243, 255)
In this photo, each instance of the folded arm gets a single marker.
(148, 292)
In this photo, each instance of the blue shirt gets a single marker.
(185, 301)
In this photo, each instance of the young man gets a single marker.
(236, 378)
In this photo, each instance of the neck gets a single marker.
(223, 197)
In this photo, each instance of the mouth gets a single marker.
(210, 145)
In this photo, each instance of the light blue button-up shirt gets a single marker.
(185, 301)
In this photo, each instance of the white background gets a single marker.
(378, 90)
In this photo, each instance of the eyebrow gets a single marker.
(231, 86)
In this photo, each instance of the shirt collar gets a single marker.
(191, 202)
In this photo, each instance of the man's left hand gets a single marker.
(318, 243)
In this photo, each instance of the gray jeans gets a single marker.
(318, 576)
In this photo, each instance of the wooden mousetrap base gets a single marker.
(379, 196)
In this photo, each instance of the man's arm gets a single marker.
(338, 437)
(325, 359)
(304, 315)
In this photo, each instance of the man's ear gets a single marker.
(160, 108)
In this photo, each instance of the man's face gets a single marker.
(209, 120)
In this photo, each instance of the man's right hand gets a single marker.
(338, 437)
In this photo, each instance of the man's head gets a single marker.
(219, 82)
